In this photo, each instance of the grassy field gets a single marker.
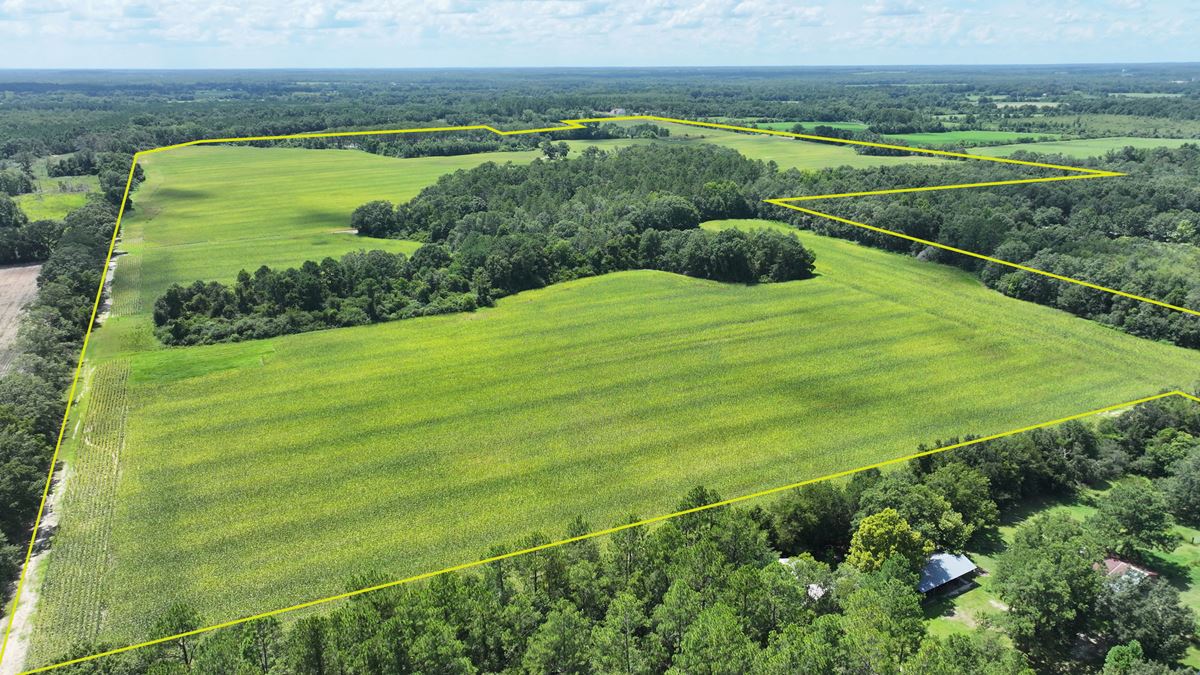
(209, 212)
(968, 137)
(1091, 147)
(56, 197)
(962, 613)
(809, 124)
(261, 474)
(786, 152)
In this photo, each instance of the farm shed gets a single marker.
(943, 568)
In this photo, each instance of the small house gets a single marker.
(1122, 572)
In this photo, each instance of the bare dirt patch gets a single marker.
(18, 285)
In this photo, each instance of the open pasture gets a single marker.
(1090, 147)
(967, 137)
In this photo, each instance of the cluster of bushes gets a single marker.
(15, 182)
(502, 229)
(1136, 233)
(855, 135)
(32, 391)
(708, 592)
(81, 163)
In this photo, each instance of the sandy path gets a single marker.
(22, 625)
(18, 285)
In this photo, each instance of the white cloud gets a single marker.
(893, 8)
(387, 33)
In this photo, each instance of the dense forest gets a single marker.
(709, 593)
(501, 229)
(51, 113)
(32, 392)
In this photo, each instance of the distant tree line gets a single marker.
(1136, 233)
(32, 392)
(470, 142)
(501, 229)
(55, 113)
(709, 593)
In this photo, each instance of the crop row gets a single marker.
(72, 604)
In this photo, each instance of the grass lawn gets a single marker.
(256, 475)
(981, 604)
(1090, 147)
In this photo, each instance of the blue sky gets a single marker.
(431, 33)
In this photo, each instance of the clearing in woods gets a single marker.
(1090, 147)
(257, 475)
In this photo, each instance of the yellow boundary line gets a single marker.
(1078, 174)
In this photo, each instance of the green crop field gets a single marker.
(809, 124)
(208, 212)
(260, 474)
(1091, 147)
(245, 207)
(786, 152)
(968, 137)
